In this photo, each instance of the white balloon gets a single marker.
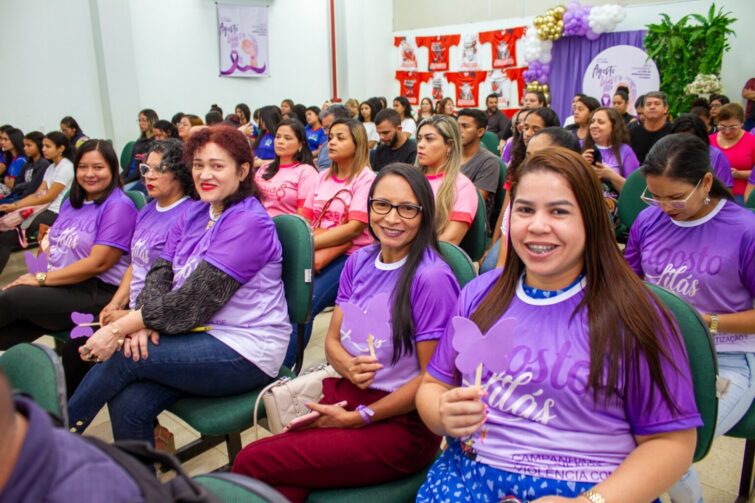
(545, 57)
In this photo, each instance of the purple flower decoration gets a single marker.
(36, 263)
(80, 319)
(359, 324)
(491, 349)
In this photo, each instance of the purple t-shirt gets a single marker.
(365, 296)
(152, 226)
(709, 262)
(721, 166)
(254, 322)
(543, 420)
(629, 162)
(76, 231)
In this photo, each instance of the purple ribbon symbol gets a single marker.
(242, 68)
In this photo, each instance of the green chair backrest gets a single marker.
(234, 488)
(475, 240)
(126, 154)
(137, 198)
(490, 141)
(36, 371)
(296, 240)
(629, 204)
(500, 195)
(702, 359)
(459, 262)
(750, 203)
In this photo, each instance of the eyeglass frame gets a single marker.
(145, 168)
(733, 127)
(395, 207)
(677, 204)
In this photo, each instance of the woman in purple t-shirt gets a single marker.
(205, 277)
(394, 301)
(87, 256)
(696, 242)
(562, 390)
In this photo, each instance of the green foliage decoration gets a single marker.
(681, 50)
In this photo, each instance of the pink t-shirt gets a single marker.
(741, 156)
(350, 203)
(465, 197)
(288, 189)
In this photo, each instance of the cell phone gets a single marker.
(307, 419)
(596, 156)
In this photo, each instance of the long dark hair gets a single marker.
(269, 117)
(245, 110)
(691, 123)
(560, 137)
(407, 106)
(35, 137)
(518, 148)
(373, 110)
(614, 297)
(683, 157)
(167, 127)
(78, 194)
(61, 140)
(16, 137)
(303, 156)
(235, 143)
(402, 319)
(70, 122)
(619, 133)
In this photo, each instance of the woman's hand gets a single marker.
(334, 416)
(588, 155)
(604, 172)
(24, 279)
(101, 345)
(361, 371)
(7, 208)
(461, 411)
(111, 313)
(740, 174)
(135, 345)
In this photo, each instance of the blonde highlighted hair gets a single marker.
(361, 147)
(448, 129)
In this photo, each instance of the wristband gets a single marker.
(366, 413)
(594, 496)
(714, 324)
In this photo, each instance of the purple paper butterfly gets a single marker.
(359, 324)
(36, 264)
(491, 349)
(78, 319)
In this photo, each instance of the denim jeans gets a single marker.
(491, 259)
(325, 291)
(739, 369)
(179, 366)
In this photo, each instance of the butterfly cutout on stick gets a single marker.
(37, 263)
(84, 323)
(367, 329)
(491, 350)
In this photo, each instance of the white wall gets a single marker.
(48, 53)
(737, 64)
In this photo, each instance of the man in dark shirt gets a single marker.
(643, 135)
(498, 123)
(394, 146)
(477, 163)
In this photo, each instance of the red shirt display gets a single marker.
(410, 83)
(438, 47)
(503, 43)
(467, 86)
(508, 84)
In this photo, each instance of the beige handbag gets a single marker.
(286, 399)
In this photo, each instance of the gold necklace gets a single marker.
(213, 219)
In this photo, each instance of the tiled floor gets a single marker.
(719, 471)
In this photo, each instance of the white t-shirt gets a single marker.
(372, 134)
(61, 173)
(409, 126)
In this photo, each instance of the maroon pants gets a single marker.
(296, 463)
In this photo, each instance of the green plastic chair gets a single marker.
(745, 428)
(702, 358)
(750, 203)
(459, 262)
(476, 239)
(137, 198)
(629, 204)
(223, 419)
(36, 371)
(126, 153)
(500, 196)
(490, 142)
(235, 488)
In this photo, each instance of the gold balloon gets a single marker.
(547, 97)
(538, 21)
(546, 88)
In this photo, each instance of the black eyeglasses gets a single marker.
(404, 210)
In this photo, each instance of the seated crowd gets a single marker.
(556, 348)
